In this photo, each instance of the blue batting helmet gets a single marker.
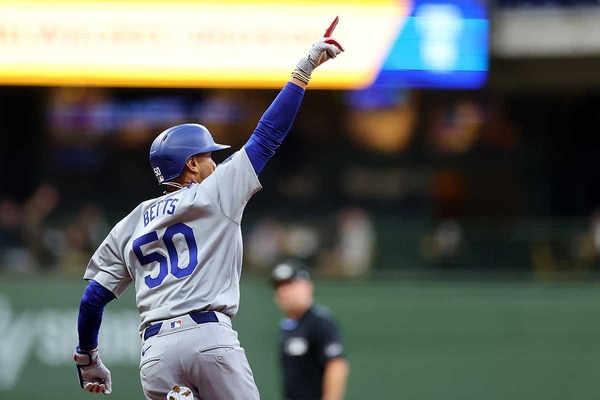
(171, 149)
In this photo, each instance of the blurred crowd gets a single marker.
(35, 237)
(39, 236)
(390, 179)
(343, 247)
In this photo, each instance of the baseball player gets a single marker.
(183, 253)
(314, 366)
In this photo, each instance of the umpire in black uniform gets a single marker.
(314, 366)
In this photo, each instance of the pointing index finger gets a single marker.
(329, 30)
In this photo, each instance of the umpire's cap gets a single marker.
(289, 270)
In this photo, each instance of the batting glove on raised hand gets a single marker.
(324, 49)
(93, 375)
(180, 393)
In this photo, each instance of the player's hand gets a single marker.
(93, 375)
(180, 393)
(322, 50)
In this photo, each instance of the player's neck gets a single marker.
(176, 185)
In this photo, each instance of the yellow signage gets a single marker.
(238, 44)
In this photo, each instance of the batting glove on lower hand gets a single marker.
(93, 375)
(180, 393)
(324, 49)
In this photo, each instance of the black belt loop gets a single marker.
(199, 317)
(152, 330)
(202, 317)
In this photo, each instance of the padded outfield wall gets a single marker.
(405, 340)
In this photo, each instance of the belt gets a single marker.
(199, 317)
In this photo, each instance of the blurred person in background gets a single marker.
(28, 241)
(83, 234)
(312, 358)
(13, 251)
(356, 241)
(43, 241)
(265, 243)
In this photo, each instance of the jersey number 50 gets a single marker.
(170, 232)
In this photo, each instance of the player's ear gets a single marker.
(192, 164)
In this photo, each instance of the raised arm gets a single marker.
(279, 117)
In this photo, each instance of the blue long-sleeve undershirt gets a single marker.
(274, 126)
(94, 299)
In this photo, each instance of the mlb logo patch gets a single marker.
(176, 324)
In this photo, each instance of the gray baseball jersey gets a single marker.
(183, 251)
